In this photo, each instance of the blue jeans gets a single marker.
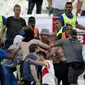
(1, 75)
(9, 78)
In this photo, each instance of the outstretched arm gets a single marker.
(80, 27)
(15, 51)
(79, 5)
(55, 44)
(43, 45)
(50, 2)
(6, 55)
(42, 63)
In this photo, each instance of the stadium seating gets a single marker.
(6, 6)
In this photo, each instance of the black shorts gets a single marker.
(61, 72)
(74, 73)
(29, 83)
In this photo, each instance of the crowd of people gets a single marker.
(40, 58)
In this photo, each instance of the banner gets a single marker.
(81, 38)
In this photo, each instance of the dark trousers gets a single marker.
(8, 43)
(31, 4)
(29, 83)
(21, 69)
(61, 73)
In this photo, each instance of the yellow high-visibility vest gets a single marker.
(1, 23)
(60, 31)
(71, 21)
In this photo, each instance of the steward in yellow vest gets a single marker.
(61, 33)
(71, 21)
(69, 18)
(59, 28)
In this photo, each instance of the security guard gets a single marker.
(71, 21)
(60, 29)
(69, 18)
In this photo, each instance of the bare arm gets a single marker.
(2, 33)
(11, 56)
(11, 53)
(16, 50)
(43, 45)
(56, 81)
(55, 44)
(34, 74)
(50, 2)
(79, 5)
(41, 49)
(6, 55)
(42, 63)
(80, 27)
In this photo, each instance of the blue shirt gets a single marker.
(3, 54)
(22, 32)
(68, 15)
(26, 68)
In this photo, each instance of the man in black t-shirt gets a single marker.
(14, 25)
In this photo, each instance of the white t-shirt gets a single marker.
(17, 39)
(59, 4)
(48, 74)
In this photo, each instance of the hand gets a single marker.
(37, 83)
(51, 45)
(2, 40)
(51, 5)
(28, 60)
